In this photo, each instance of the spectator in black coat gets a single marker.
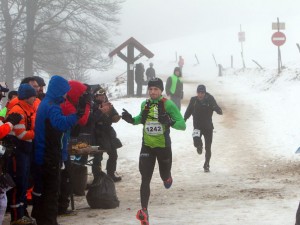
(150, 72)
(139, 78)
(104, 114)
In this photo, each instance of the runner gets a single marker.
(157, 115)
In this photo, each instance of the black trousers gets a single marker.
(65, 188)
(147, 161)
(208, 137)
(47, 183)
(298, 216)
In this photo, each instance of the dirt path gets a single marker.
(246, 185)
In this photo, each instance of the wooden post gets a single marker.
(130, 74)
(298, 46)
(197, 58)
(215, 60)
(220, 70)
(257, 64)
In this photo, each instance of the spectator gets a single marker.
(42, 84)
(104, 115)
(49, 129)
(139, 78)
(180, 63)
(174, 87)
(150, 72)
(19, 161)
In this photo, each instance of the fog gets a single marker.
(158, 20)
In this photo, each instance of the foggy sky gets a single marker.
(159, 20)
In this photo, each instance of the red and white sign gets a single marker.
(278, 38)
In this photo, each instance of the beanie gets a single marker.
(25, 91)
(156, 82)
(201, 88)
(3, 89)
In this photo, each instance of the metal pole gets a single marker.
(279, 58)
(242, 50)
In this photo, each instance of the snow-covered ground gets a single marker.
(254, 176)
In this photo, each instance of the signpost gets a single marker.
(278, 39)
(241, 36)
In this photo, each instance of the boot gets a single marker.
(114, 177)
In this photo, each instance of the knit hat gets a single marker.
(156, 82)
(3, 89)
(201, 88)
(26, 91)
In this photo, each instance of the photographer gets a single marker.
(104, 114)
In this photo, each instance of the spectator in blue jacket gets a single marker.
(49, 129)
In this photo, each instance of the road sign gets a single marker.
(278, 38)
(278, 26)
(241, 36)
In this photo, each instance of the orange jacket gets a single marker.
(21, 131)
(5, 128)
(14, 101)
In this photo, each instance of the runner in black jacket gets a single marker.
(202, 107)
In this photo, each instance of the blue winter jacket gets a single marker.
(50, 123)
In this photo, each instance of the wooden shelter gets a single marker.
(131, 43)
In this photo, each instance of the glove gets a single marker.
(166, 119)
(14, 118)
(80, 111)
(219, 111)
(85, 98)
(144, 116)
(127, 116)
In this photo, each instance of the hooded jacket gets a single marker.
(69, 107)
(51, 123)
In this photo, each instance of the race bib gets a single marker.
(153, 128)
(196, 133)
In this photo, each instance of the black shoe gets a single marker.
(206, 168)
(199, 150)
(115, 178)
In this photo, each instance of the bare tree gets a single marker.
(66, 37)
(9, 22)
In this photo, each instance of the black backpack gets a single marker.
(102, 194)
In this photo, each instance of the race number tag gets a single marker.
(196, 133)
(153, 128)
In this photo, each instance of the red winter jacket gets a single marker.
(69, 106)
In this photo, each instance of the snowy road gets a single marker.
(246, 186)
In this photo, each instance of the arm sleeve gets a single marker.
(5, 129)
(189, 109)
(59, 121)
(137, 119)
(168, 86)
(175, 114)
(214, 105)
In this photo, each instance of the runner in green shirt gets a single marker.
(157, 115)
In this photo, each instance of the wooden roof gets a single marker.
(136, 44)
